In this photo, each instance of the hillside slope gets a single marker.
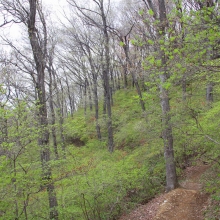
(186, 202)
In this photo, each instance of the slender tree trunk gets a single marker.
(112, 87)
(209, 93)
(85, 96)
(53, 118)
(138, 91)
(106, 72)
(95, 94)
(209, 88)
(118, 80)
(125, 76)
(25, 208)
(96, 102)
(43, 142)
(63, 106)
(71, 100)
(90, 95)
(3, 125)
(39, 55)
(171, 178)
(60, 116)
(15, 187)
(111, 94)
(184, 94)
(135, 81)
(108, 108)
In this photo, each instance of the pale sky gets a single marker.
(55, 7)
(56, 10)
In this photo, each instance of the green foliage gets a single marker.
(150, 42)
(151, 12)
(76, 128)
(121, 43)
(211, 181)
(20, 172)
(93, 184)
(141, 12)
(106, 184)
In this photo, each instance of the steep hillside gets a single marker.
(135, 171)
(92, 183)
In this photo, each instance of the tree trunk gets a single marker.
(39, 55)
(3, 126)
(15, 186)
(171, 179)
(134, 78)
(112, 87)
(90, 95)
(104, 100)
(125, 76)
(138, 91)
(85, 96)
(209, 93)
(106, 79)
(184, 94)
(96, 102)
(95, 93)
(53, 118)
(117, 80)
(71, 100)
(60, 116)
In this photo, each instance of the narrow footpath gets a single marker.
(186, 202)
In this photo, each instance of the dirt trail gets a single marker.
(185, 203)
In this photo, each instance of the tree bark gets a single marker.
(90, 95)
(171, 178)
(95, 94)
(134, 78)
(85, 96)
(209, 92)
(96, 102)
(53, 118)
(60, 114)
(39, 55)
(106, 70)
(184, 84)
(71, 98)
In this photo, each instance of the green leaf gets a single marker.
(141, 12)
(151, 59)
(176, 51)
(161, 41)
(172, 38)
(134, 42)
(167, 85)
(178, 65)
(121, 43)
(151, 12)
(150, 42)
(158, 63)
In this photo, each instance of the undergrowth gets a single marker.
(93, 184)
(110, 184)
(211, 181)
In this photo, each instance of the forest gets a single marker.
(104, 103)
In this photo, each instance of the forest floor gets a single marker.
(187, 202)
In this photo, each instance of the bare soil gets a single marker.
(184, 203)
